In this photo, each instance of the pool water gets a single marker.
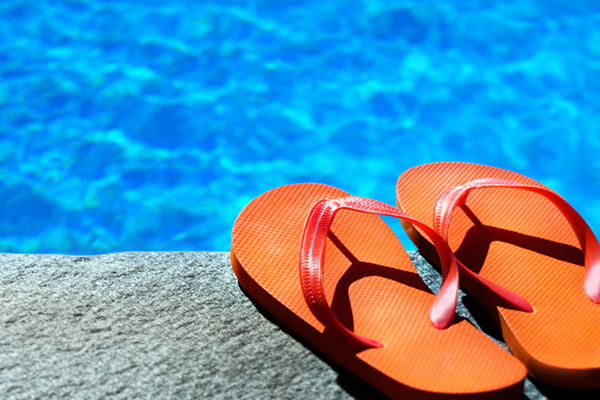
(148, 125)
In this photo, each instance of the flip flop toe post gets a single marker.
(324, 265)
(516, 239)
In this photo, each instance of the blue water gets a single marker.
(148, 125)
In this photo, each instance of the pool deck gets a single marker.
(164, 325)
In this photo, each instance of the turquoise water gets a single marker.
(130, 125)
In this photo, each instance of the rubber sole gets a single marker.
(375, 291)
(520, 241)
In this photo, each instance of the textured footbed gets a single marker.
(381, 297)
(521, 241)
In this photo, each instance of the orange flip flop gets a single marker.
(361, 302)
(519, 250)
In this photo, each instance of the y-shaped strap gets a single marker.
(457, 195)
(312, 254)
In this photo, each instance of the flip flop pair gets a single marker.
(322, 263)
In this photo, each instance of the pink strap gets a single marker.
(312, 253)
(457, 195)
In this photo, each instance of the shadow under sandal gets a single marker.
(322, 263)
(525, 254)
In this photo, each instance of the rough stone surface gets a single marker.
(164, 325)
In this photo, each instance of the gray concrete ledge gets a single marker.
(164, 325)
